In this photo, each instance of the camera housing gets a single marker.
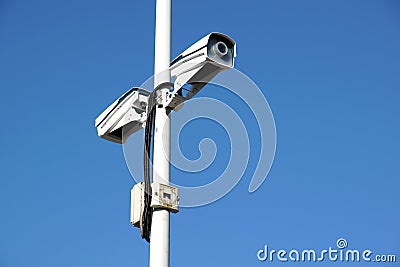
(124, 117)
(198, 64)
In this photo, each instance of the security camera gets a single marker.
(201, 62)
(124, 117)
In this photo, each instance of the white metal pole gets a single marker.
(159, 243)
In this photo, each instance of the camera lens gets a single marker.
(220, 49)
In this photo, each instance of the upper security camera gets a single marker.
(123, 117)
(198, 64)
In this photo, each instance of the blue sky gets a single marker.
(330, 72)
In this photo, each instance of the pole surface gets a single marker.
(159, 243)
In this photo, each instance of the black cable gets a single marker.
(147, 210)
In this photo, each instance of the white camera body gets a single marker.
(198, 64)
(124, 117)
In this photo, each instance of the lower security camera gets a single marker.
(124, 117)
